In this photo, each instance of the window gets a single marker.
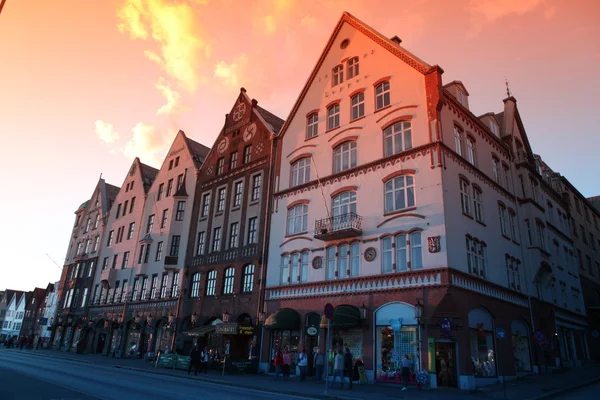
(169, 187)
(105, 263)
(163, 286)
(118, 211)
(90, 268)
(195, 291)
(176, 162)
(170, 165)
(465, 197)
(175, 245)
(494, 128)
(108, 243)
(153, 287)
(200, 243)
(580, 260)
(165, 217)
(512, 222)
(312, 125)
(476, 260)
(87, 246)
(211, 283)
(342, 261)
(344, 156)
(285, 269)
(233, 158)
(382, 95)
(338, 75)
(141, 256)
(97, 221)
(221, 200)
(478, 204)
(161, 188)
(333, 117)
(541, 231)
(220, 165)
(233, 235)
(297, 219)
(150, 224)
(248, 280)
(130, 230)
(144, 288)
(205, 205)
(358, 106)
(132, 204)
(125, 260)
(534, 190)
(496, 169)
(399, 193)
(125, 207)
(179, 182)
(229, 280)
(343, 204)
(300, 172)
(247, 154)
(175, 285)
(159, 249)
(216, 239)
(147, 254)
(256, 181)
(403, 250)
(512, 272)
(180, 211)
(507, 175)
(397, 138)
(353, 67)
(583, 235)
(471, 151)
(458, 141)
(237, 193)
(252, 234)
(88, 224)
(503, 220)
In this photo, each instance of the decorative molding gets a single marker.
(295, 238)
(398, 173)
(299, 157)
(380, 80)
(395, 110)
(351, 188)
(400, 216)
(311, 112)
(295, 203)
(357, 91)
(238, 171)
(342, 131)
(333, 103)
(475, 285)
(300, 148)
(344, 140)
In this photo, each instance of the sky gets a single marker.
(86, 86)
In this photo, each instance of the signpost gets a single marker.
(328, 311)
(539, 336)
(501, 334)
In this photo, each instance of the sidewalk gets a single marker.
(529, 388)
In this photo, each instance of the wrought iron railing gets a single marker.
(338, 223)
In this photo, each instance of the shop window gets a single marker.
(481, 339)
(521, 349)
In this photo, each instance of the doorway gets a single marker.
(445, 364)
(101, 341)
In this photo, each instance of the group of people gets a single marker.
(199, 360)
(23, 342)
(283, 363)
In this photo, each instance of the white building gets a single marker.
(15, 312)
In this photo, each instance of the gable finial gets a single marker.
(508, 94)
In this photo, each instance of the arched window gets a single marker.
(496, 169)
(397, 138)
(344, 203)
(285, 269)
(195, 290)
(465, 197)
(211, 283)
(312, 125)
(353, 67)
(399, 193)
(478, 204)
(458, 140)
(382, 95)
(248, 283)
(344, 156)
(229, 280)
(358, 106)
(338, 75)
(333, 117)
(297, 219)
(471, 151)
(300, 172)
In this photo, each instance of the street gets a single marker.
(28, 377)
(585, 393)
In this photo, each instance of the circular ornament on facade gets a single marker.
(370, 254)
(239, 112)
(249, 132)
(223, 145)
(344, 43)
(317, 262)
(312, 331)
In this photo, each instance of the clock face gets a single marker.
(239, 111)
(223, 145)
(249, 132)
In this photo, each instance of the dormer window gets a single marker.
(462, 98)
(338, 75)
(353, 67)
(495, 129)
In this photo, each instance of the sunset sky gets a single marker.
(85, 86)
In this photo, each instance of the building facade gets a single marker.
(46, 315)
(13, 319)
(222, 299)
(31, 317)
(399, 206)
(7, 296)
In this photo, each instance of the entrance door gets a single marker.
(100, 345)
(445, 360)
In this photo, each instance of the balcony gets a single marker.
(245, 253)
(339, 227)
(108, 275)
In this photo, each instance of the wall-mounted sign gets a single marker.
(446, 325)
(246, 330)
(317, 262)
(370, 254)
(226, 328)
(312, 331)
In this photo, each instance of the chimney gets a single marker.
(396, 40)
(254, 103)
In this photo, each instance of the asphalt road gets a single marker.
(585, 393)
(24, 377)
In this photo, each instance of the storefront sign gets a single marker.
(431, 354)
(242, 366)
(226, 328)
(166, 360)
(312, 331)
(500, 333)
(446, 325)
(182, 363)
(246, 330)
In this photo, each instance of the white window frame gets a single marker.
(300, 172)
(478, 204)
(357, 108)
(229, 280)
(333, 116)
(353, 67)
(391, 187)
(382, 95)
(345, 156)
(465, 196)
(397, 138)
(312, 125)
(337, 75)
(297, 219)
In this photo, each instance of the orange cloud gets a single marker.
(231, 74)
(147, 143)
(106, 132)
(270, 25)
(493, 10)
(173, 98)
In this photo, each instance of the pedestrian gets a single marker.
(348, 366)
(319, 364)
(405, 364)
(287, 364)
(303, 364)
(194, 359)
(278, 362)
(338, 368)
(204, 360)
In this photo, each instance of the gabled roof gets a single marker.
(198, 151)
(500, 119)
(372, 34)
(148, 175)
(271, 119)
(459, 83)
(112, 191)
(10, 293)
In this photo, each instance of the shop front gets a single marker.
(312, 328)
(521, 346)
(163, 336)
(482, 347)
(346, 331)
(132, 339)
(284, 328)
(396, 336)
(238, 343)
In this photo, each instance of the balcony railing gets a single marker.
(244, 253)
(338, 227)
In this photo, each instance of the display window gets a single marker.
(392, 347)
(483, 356)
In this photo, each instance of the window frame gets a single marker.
(357, 106)
(383, 92)
(297, 211)
(229, 281)
(397, 135)
(312, 125)
(333, 117)
(405, 187)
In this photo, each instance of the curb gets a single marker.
(556, 392)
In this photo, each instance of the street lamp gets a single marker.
(194, 318)
(261, 316)
(149, 318)
(137, 319)
(418, 318)
(363, 312)
(171, 316)
(225, 317)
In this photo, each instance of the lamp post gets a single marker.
(194, 319)
(225, 317)
(418, 318)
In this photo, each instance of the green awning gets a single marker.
(199, 331)
(285, 319)
(343, 317)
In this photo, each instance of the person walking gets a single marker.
(278, 362)
(405, 364)
(204, 360)
(287, 364)
(303, 364)
(319, 364)
(194, 359)
(348, 366)
(338, 368)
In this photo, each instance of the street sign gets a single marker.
(595, 333)
(500, 333)
(328, 311)
(539, 336)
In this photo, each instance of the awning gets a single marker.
(343, 317)
(285, 319)
(199, 331)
